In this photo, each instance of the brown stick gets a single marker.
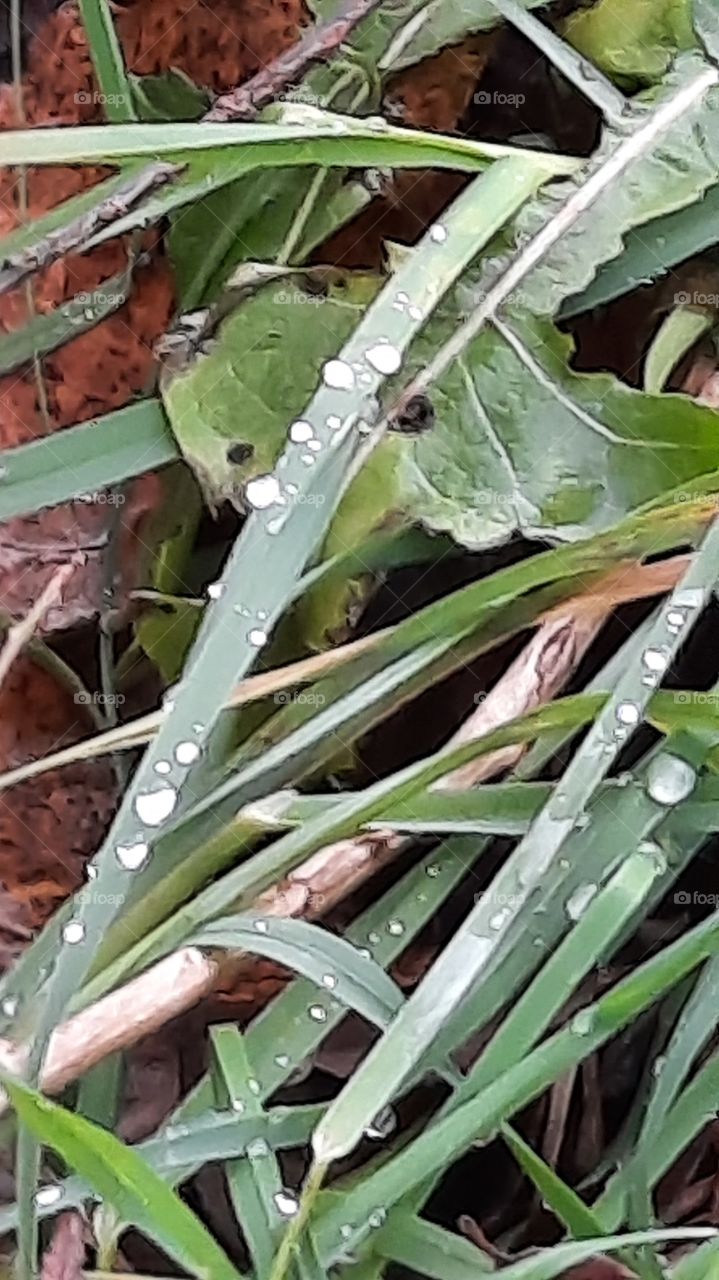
(20, 265)
(146, 1003)
(318, 44)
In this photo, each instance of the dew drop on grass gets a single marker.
(262, 491)
(259, 925)
(317, 1012)
(499, 918)
(396, 928)
(384, 357)
(676, 619)
(364, 951)
(187, 752)
(301, 432)
(238, 1105)
(292, 489)
(346, 1231)
(438, 233)
(334, 422)
(307, 459)
(433, 870)
(258, 1147)
(163, 767)
(73, 932)
(282, 1060)
(9, 1006)
(338, 374)
(45, 1196)
(132, 856)
(91, 871)
(628, 713)
(153, 807)
(382, 1126)
(329, 980)
(257, 637)
(670, 779)
(580, 900)
(373, 937)
(286, 1203)
(377, 1217)
(581, 1023)
(216, 590)
(254, 1086)
(688, 598)
(655, 661)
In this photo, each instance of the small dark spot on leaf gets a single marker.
(240, 452)
(416, 417)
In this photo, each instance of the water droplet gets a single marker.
(580, 900)
(658, 1066)
(415, 313)
(262, 491)
(301, 432)
(45, 1196)
(282, 1060)
(73, 931)
(198, 728)
(262, 614)
(670, 779)
(163, 766)
(329, 980)
(628, 713)
(254, 1086)
(318, 1013)
(377, 1217)
(215, 590)
(9, 1006)
(258, 1147)
(582, 821)
(259, 925)
(346, 1231)
(257, 637)
(238, 1105)
(364, 951)
(338, 374)
(286, 1203)
(438, 233)
(307, 459)
(676, 619)
(91, 871)
(187, 752)
(498, 919)
(396, 928)
(402, 298)
(581, 1023)
(334, 422)
(688, 598)
(382, 1126)
(132, 856)
(373, 937)
(384, 357)
(153, 807)
(565, 864)
(655, 660)
(292, 489)
(274, 525)
(433, 870)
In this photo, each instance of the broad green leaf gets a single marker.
(169, 96)
(122, 1177)
(632, 40)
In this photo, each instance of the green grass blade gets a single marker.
(108, 62)
(123, 1178)
(427, 1249)
(46, 332)
(332, 963)
(85, 459)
